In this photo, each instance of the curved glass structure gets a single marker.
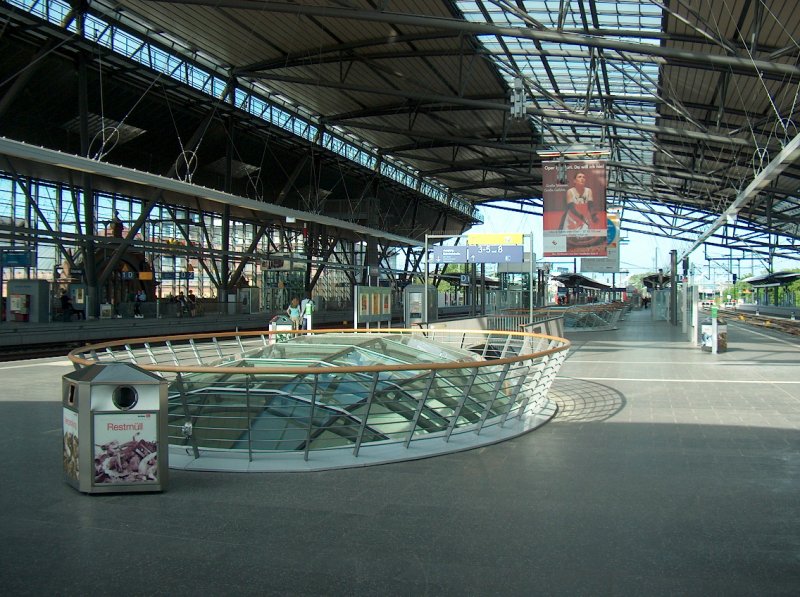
(279, 401)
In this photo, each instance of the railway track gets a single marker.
(782, 324)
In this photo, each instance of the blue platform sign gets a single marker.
(443, 254)
(496, 254)
(16, 258)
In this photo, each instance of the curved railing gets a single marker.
(256, 401)
(590, 317)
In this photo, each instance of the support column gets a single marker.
(673, 287)
(90, 269)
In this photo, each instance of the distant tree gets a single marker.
(636, 280)
(452, 269)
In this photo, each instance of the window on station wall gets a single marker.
(67, 217)
(46, 197)
(104, 213)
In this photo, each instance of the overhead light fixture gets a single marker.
(573, 151)
(290, 220)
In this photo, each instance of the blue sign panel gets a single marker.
(496, 254)
(479, 254)
(16, 258)
(449, 254)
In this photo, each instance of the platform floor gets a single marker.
(667, 471)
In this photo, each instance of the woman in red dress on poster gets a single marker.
(578, 215)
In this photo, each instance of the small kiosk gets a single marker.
(414, 304)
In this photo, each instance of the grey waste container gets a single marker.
(115, 429)
(707, 334)
(279, 323)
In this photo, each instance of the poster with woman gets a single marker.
(574, 199)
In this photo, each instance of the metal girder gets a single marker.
(483, 105)
(342, 51)
(77, 163)
(451, 24)
(445, 139)
(34, 204)
(786, 157)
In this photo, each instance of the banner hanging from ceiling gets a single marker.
(574, 198)
(610, 263)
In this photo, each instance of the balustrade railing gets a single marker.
(335, 398)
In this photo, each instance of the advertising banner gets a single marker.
(71, 445)
(125, 448)
(609, 263)
(373, 304)
(574, 206)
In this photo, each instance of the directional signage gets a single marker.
(176, 276)
(16, 258)
(449, 254)
(478, 254)
(496, 254)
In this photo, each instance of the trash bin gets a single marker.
(707, 334)
(115, 429)
(277, 324)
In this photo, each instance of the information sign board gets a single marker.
(442, 254)
(479, 254)
(16, 258)
(495, 254)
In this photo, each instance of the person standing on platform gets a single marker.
(294, 313)
(191, 303)
(181, 301)
(307, 308)
(67, 309)
(138, 300)
(116, 225)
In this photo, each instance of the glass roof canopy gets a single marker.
(597, 83)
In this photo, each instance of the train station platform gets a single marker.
(15, 337)
(666, 471)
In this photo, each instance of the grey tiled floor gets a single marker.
(668, 471)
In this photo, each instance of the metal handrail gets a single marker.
(267, 415)
(74, 356)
